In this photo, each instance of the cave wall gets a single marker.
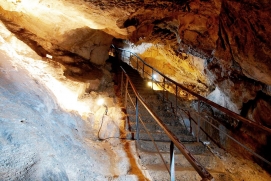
(50, 120)
(230, 36)
(53, 30)
(209, 45)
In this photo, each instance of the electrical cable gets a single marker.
(101, 127)
(103, 139)
(105, 113)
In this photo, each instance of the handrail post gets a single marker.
(197, 166)
(164, 89)
(176, 100)
(130, 58)
(204, 100)
(122, 55)
(137, 64)
(137, 122)
(190, 125)
(172, 162)
(167, 95)
(152, 78)
(121, 84)
(126, 92)
(143, 70)
(224, 110)
(198, 124)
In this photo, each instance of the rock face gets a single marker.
(244, 31)
(241, 56)
(51, 124)
(55, 31)
(229, 36)
(259, 109)
(204, 44)
(232, 36)
(220, 47)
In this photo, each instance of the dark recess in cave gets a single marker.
(252, 104)
(265, 151)
(131, 22)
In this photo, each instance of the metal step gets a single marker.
(157, 136)
(148, 154)
(207, 160)
(159, 173)
(154, 126)
(145, 117)
(195, 148)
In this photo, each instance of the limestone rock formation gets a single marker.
(231, 37)
(219, 48)
(57, 29)
(259, 109)
(50, 122)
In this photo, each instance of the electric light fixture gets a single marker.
(102, 102)
(49, 56)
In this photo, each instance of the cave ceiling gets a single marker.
(205, 43)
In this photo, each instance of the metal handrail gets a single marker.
(150, 135)
(196, 165)
(223, 132)
(220, 108)
(200, 98)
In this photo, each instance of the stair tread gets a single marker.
(192, 147)
(180, 160)
(144, 117)
(162, 137)
(153, 126)
(149, 156)
(178, 168)
(186, 175)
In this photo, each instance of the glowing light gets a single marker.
(154, 86)
(154, 76)
(49, 56)
(100, 102)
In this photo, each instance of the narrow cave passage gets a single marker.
(55, 67)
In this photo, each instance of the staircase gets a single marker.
(150, 157)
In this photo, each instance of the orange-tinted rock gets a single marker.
(232, 36)
(260, 110)
(244, 37)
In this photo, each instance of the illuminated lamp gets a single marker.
(101, 102)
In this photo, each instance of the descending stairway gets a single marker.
(146, 148)
(148, 154)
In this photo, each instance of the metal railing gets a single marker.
(174, 140)
(196, 116)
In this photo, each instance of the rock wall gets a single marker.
(49, 30)
(51, 123)
(230, 36)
